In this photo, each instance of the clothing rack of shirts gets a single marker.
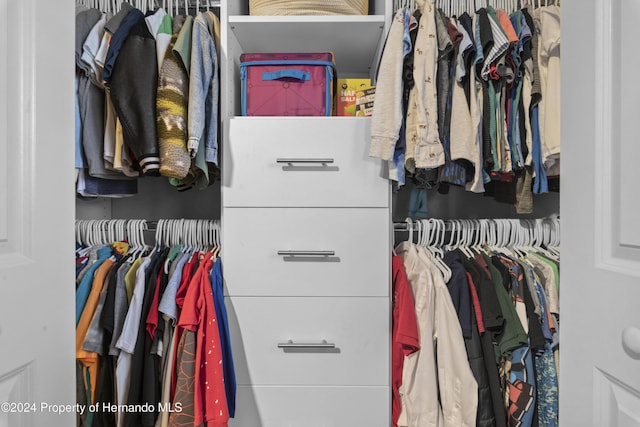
(476, 301)
(140, 111)
(152, 336)
(467, 95)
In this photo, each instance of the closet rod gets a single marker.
(151, 225)
(473, 223)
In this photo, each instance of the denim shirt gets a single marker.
(203, 89)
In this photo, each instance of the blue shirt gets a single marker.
(225, 339)
(117, 41)
(540, 184)
(82, 293)
(459, 290)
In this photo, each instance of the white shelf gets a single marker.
(353, 39)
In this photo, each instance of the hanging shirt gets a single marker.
(396, 164)
(127, 340)
(168, 308)
(550, 73)
(83, 290)
(387, 110)
(459, 291)
(198, 315)
(120, 307)
(90, 359)
(424, 148)
(173, 89)
(493, 323)
(225, 338)
(405, 338)
(144, 387)
(128, 22)
(186, 374)
(456, 402)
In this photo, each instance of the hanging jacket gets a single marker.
(134, 84)
(202, 120)
(437, 381)
(458, 287)
(173, 90)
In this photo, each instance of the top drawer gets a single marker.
(301, 162)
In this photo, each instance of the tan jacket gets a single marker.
(424, 148)
(441, 363)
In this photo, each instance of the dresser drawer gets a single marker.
(312, 407)
(310, 341)
(306, 252)
(301, 162)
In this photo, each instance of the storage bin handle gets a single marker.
(321, 344)
(288, 72)
(306, 253)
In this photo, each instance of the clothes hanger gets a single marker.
(218, 238)
(433, 227)
(410, 229)
(193, 241)
(199, 236)
(498, 235)
(554, 239)
(110, 232)
(94, 237)
(95, 232)
(135, 237)
(77, 231)
(482, 238)
(87, 233)
(427, 248)
(522, 239)
(470, 232)
(441, 233)
(158, 236)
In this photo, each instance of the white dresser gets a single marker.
(306, 236)
(306, 264)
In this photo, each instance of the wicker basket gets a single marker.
(308, 7)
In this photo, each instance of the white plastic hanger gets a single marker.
(410, 229)
(428, 249)
(470, 235)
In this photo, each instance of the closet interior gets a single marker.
(313, 224)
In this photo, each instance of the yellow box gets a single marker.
(364, 102)
(346, 97)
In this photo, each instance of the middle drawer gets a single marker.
(306, 252)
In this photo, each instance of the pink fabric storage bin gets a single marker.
(287, 84)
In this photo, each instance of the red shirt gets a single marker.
(185, 279)
(476, 304)
(199, 315)
(405, 336)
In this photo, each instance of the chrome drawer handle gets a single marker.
(305, 161)
(306, 253)
(321, 344)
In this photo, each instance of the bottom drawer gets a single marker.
(312, 407)
(357, 327)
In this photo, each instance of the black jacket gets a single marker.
(134, 84)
